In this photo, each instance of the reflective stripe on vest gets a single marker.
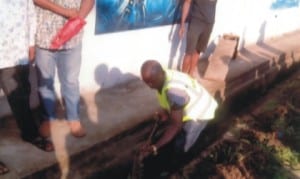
(201, 104)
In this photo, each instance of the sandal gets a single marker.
(44, 144)
(3, 169)
(45, 129)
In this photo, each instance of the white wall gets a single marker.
(112, 58)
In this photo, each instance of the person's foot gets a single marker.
(45, 129)
(43, 143)
(76, 128)
(3, 168)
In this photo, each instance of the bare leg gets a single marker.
(194, 63)
(186, 65)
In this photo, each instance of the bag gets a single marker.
(70, 29)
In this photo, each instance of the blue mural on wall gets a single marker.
(120, 15)
(283, 4)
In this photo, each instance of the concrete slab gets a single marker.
(256, 64)
(220, 59)
(114, 111)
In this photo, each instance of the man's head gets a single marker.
(153, 74)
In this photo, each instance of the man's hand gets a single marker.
(184, 14)
(161, 115)
(31, 54)
(147, 150)
(181, 31)
(71, 13)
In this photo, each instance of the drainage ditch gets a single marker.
(258, 136)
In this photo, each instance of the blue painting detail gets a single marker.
(119, 15)
(283, 4)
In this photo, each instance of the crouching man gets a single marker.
(185, 103)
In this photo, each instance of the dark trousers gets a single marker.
(15, 83)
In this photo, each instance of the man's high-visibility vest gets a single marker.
(201, 105)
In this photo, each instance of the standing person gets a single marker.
(186, 106)
(202, 18)
(51, 17)
(18, 26)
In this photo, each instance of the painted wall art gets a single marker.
(120, 15)
(283, 4)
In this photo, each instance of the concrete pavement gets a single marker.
(114, 111)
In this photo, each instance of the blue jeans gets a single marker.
(68, 64)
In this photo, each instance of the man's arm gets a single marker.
(185, 11)
(162, 115)
(49, 5)
(86, 7)
(177, 99)
(173, 128)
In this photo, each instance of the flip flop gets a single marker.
(3, 168)
(44, 144)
